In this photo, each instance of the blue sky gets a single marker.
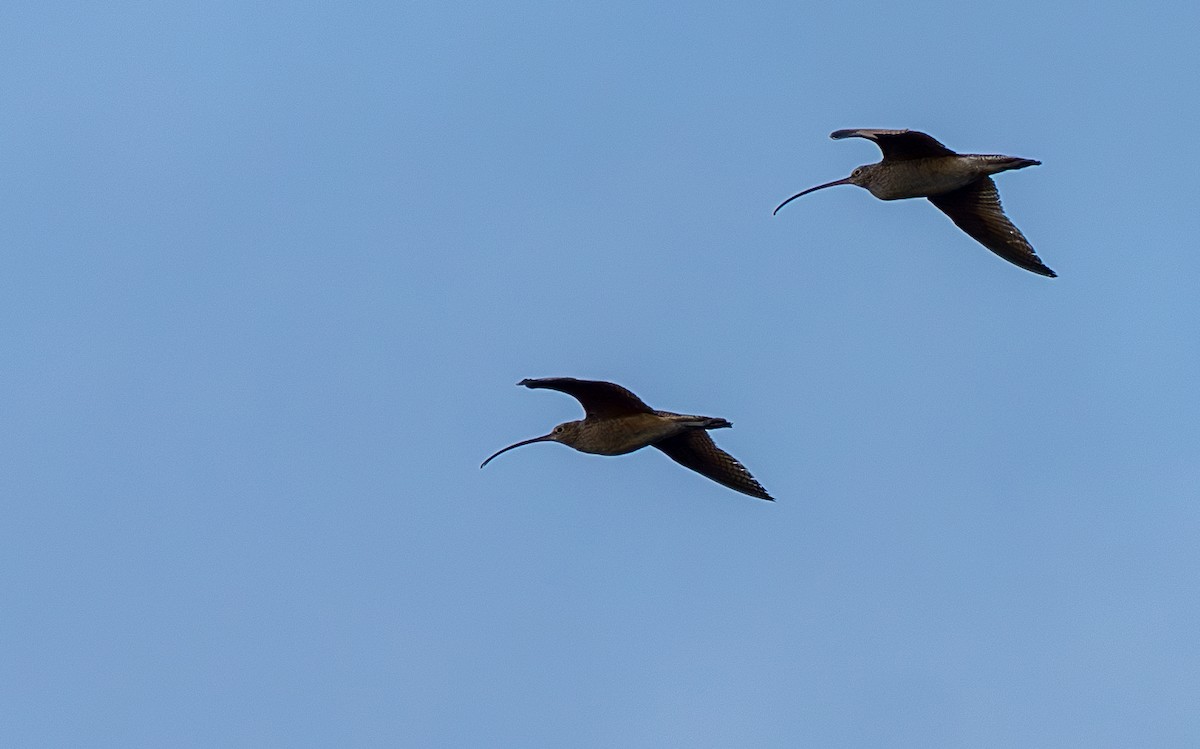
(272, 270)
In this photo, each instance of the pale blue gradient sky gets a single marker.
(271, 271)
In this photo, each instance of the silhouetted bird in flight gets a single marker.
(617, 422)
(917, 166)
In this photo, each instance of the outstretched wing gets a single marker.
(976, 210)
(694, 449)
(898, 145)
(600, 399)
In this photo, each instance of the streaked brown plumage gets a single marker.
(617, 422)
(915, 165)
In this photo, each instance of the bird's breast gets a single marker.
(920, 178)
(624, 434)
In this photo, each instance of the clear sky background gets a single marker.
(271, 271)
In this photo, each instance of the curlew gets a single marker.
(915, 165)
(617, 422)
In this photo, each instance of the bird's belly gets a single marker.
(626, 434)
(921, 179)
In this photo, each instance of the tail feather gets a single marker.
(1005, 163)
(698, 422)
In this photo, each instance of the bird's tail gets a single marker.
(997, 163)
(697, 422)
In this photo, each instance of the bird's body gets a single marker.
(624, 434)
(915, 165)
(618, 422)
(925, 178)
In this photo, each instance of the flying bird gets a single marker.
(915, 165)
(617, 422)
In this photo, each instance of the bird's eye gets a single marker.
(558, 429)
(856, 172)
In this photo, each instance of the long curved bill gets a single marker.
(543, 438)
(835, 183)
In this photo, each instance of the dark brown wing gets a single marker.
(696, 450)
(898, 145)
(600, 399)
(976, 210)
